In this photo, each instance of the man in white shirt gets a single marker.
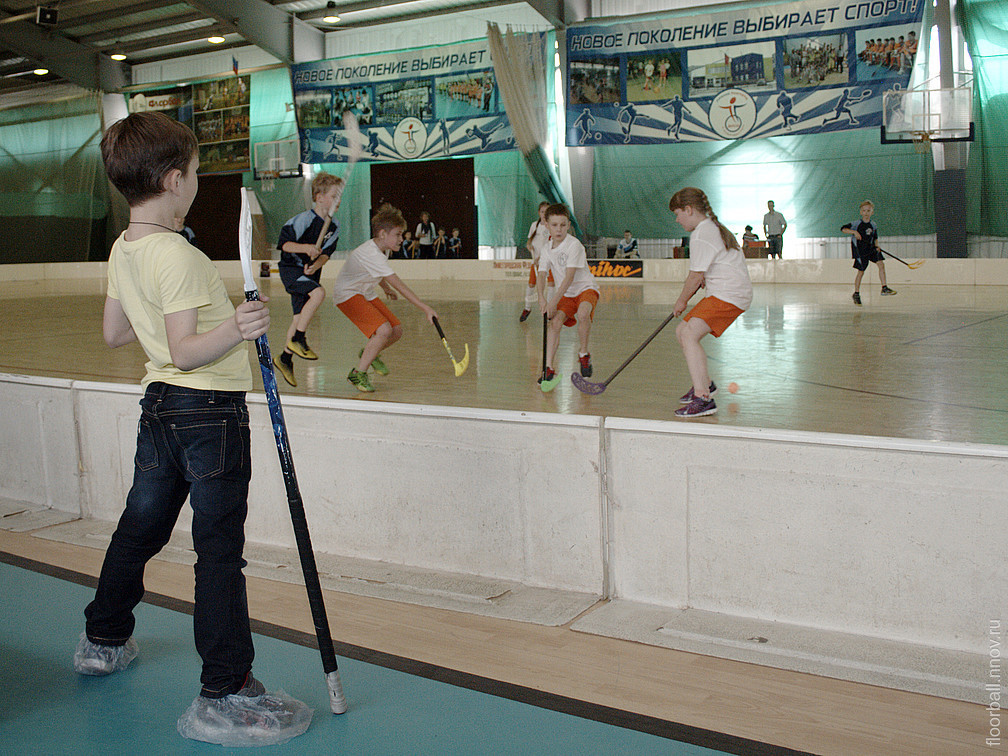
(774, 227)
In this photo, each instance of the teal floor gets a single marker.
(46, 708)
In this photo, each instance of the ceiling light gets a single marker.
(41, 71)
(331, 18)
(117, 56)
(215, 40)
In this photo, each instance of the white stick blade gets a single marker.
(245, 241)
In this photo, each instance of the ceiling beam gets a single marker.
(154, 41)
(283, 36)
(561, 13)
(76, 63)
(114, 33)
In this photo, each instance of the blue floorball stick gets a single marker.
(337, 702)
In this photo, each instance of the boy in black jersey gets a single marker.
(865, 249)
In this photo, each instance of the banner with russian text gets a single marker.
(431, 102)
(792, 68)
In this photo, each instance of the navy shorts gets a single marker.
(861, 259)
(298, 285)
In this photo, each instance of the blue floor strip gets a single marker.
(397, 706)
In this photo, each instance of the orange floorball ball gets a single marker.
(733, 388)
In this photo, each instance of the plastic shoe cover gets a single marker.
(269, 719)
(94, 659)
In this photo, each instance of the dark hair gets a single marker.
(748, 228)
(690, 196)
(143, 148)
(387, 217)
(558, 209)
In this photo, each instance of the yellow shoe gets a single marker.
(302, 350)
(287, 371)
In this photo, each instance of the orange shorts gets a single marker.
(532, 278)
(569, 305)
(367, 314)
(716, 313)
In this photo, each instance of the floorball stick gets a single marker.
(587, 387)
(353, 137)
(912, 265)
(542, 375)
(337, 702)
(460, 367)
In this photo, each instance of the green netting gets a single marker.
(816, 180)
(985, 26)
(53, 193)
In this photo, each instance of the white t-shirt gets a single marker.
(425, 233)
(570, 253)
(540, 237)
(364, 267)
(774, 223)
(726, 274)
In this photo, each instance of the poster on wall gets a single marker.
(218, 113)
(432, 102)
(793, 68)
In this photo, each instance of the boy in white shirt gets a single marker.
(354, 293)
(576, 294)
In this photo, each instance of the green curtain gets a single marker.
(817, 180)
(53, 192)
(985, 26)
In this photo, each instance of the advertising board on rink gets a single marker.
(430, 102)
(802, 67)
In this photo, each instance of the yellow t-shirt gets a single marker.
(158, 275)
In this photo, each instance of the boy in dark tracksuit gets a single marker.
(865, 249)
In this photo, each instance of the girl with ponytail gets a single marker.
(716, 262)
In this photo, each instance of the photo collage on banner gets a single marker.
(805, 67)
(432, 102)
(217, 111)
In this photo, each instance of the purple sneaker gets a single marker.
(688, 396)
(697, 408)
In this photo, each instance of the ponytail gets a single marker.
(692, 197)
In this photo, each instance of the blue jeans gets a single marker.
(189, 443)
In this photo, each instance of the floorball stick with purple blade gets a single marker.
(587, 387)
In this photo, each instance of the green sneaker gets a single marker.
(360, 380)
(379, 367)
(550, 381)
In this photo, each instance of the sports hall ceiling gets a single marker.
(76, 48)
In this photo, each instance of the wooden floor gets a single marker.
(926, 364)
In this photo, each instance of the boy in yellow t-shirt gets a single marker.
(193, 434)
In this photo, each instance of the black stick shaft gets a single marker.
(640, 348)
(898, 259)
(545, 322)
(438, 326)
(298, 518)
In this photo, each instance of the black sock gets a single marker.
(287, 358)
(299, 337)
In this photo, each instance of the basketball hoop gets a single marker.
(267, 178)
(922, 141)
